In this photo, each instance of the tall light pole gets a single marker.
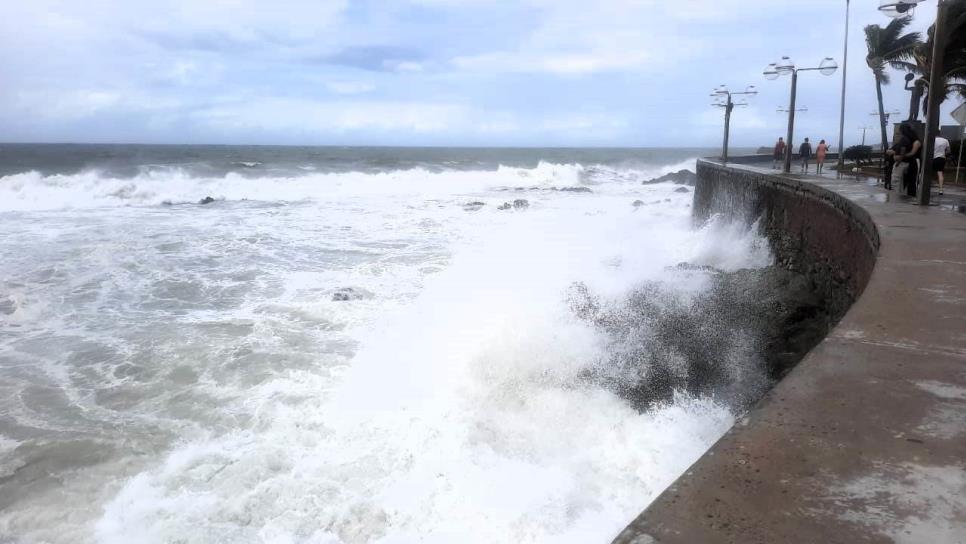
(724, 99)
(864, 129)
(845, 70)
(905, 8)
(785, 67)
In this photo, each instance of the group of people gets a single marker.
(805, 154)
(902, 160)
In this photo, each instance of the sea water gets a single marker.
(345, 345)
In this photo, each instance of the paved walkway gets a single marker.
(865, 440)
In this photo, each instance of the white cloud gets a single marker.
(283, 114)
(67, 105)
(349, 87)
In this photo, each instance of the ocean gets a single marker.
(232, 344)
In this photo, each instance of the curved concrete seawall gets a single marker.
(812, 230)
(865, 439)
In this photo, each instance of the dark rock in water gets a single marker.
(346, 294)
(505, 206)
(473, 206)
(520, 204)
(206, 200)
(638, 203)
(729, 342)
(682, 190)
(681, 177)
(573, 189)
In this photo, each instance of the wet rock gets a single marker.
(346, 294)
(505, 206)
(521, 204)
(730, 342)
(473, 206)
(638, 203)
(206, 200)
(682, 190)
(681, 177)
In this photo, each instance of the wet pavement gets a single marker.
(865, 440)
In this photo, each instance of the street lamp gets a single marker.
(887, 114)
(898, 8)
(864, 129)
(905, 8)
(784, 67)
(723, 99)
(845, 68)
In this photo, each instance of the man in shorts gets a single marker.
(939, 160)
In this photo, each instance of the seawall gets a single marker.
(865, 439)
(812, 230)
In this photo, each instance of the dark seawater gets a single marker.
(130, 160)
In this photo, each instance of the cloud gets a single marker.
(377, 58)
(349, 87)
(496, 72)
(283, 114)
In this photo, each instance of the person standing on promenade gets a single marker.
(779, 152)
(939, 160)
(820, 152)
(805, 152)
(906, 155)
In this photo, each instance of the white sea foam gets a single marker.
(33, 191)
(449, 404)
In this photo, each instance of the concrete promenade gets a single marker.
(865, 440)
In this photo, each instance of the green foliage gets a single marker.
(954, 56)
(888, 46)
(859, 153)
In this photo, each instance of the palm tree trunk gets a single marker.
(882, 117)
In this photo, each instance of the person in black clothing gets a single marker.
(805, 152)
(906, 152)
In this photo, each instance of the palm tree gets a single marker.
(954, 55)
(889, 47)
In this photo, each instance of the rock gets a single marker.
(573, 189)
(504, 206)
(521, 204)
(473, 206)
(729, 342)
(206, 200)
(682, 190)
(345, 294)
(638, 203)
(681, 177)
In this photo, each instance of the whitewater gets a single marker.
(364, 353)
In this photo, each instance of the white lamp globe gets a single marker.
(771, 72)
(785, 66)
(828, 66)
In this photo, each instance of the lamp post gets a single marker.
(723, 99)
(786, 67)
(905, 8)
(864, 129)
(845, 70)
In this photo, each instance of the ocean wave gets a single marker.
(33, 191)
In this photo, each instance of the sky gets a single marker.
(428, 72)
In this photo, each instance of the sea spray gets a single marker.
(232, 397)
